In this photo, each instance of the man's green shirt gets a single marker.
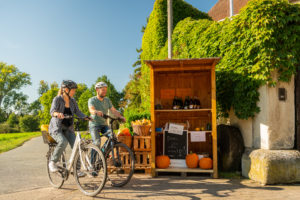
(102, 106)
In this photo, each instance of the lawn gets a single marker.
(12, 140)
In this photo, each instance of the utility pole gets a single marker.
(170, 26)
(231, 8)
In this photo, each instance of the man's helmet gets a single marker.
(69, 84)
(100, 85)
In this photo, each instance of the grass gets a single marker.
(10, 141)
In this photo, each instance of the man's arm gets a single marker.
(93, 111)
(116, 113)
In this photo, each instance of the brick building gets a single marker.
(221, 9)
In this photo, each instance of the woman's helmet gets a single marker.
(100, 85)
(69, 84)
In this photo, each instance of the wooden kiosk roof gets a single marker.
(185, 64)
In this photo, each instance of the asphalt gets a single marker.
(23, 176)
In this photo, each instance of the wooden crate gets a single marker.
(143, 161)
(142, 143)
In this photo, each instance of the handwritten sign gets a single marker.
(198, 136)
(176, 129)
(175, 146)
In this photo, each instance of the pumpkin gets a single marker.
(126, 132)
(192, 160)
(162, 161)
(205, 163)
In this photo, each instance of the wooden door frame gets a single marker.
(297, 111)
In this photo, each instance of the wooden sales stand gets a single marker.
(184, 77)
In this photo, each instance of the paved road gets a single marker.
(23, 176)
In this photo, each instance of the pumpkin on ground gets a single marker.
(162, 161)
(192, 160)
(205, 163)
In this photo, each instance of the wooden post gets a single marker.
(170, 26)
(214, 121)
(152, 98)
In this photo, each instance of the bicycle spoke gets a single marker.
(91, 174)
(120, 165)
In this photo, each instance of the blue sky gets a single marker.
(80, 40)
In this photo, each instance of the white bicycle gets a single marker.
(86, 160)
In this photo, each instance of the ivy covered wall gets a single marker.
(264, 38)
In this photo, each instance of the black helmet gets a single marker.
(69, 84)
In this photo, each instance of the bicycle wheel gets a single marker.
(90, 170)
(56, 178)
(120, 165)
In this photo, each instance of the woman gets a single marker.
(61, 130)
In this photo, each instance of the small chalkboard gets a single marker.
(175, 146)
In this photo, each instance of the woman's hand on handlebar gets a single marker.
(60, 115)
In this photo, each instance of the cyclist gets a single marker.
(60, 128)
(99, 105)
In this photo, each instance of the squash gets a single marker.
(126, 132)
(162, 161)
(205, 163)
(192, 160)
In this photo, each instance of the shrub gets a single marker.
(29, 123)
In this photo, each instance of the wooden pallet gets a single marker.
(184, 172)
(142, 143)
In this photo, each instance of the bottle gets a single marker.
(180, 102)
(195, 102)
(186, 103)
(174, 103)
(191, 104)
(208, 127)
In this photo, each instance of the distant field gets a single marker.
(10, 141)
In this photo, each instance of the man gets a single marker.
(98, 106)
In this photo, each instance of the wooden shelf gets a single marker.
(185, 110)
(182, 169)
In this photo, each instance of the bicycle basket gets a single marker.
(46, 136)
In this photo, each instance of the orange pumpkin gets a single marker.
(126, 132)
(162, 161)
(205, 163)
(192, 160)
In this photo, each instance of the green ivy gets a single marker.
(262, 40)
(156, 34)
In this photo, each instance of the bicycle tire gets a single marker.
(95, 172)
(55, 175)
(126, 159)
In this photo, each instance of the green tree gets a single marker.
(13, 120)
(83, 101)
(44, 87)
(11, 80)
(29, 123)
(46, 101)
(81, 89)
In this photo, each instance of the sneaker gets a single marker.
(53, 167)
(81, 174)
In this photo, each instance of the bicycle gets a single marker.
(87, 161)
(119, 157)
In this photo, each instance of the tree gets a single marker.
(46, 101)
(11, 80)
(80, 90)
(13, 120)
(29, 123)
(44, 87)
(83, 101)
